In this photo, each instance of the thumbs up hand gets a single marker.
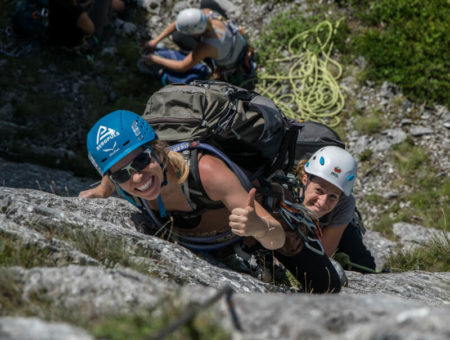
(245, 222)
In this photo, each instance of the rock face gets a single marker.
(92, 255)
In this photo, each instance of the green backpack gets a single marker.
(247, 127)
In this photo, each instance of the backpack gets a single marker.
(30, 19)
(247, 127)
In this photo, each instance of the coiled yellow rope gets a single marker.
(309, 90)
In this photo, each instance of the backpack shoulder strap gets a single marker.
(193, 189)
(240, 174)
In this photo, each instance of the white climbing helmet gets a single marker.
(335, 165)
(191, 21)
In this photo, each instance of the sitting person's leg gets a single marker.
(99, 10)
(315, 272)
(98, 13)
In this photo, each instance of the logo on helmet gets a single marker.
(337, 169)
(104, 135)
(112, 150)
(94, 163)
(137, 131)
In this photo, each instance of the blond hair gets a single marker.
(299, 171)
(171, 159)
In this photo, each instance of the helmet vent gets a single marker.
(103, 160)
(128, 141)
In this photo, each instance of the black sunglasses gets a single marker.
(138, 164)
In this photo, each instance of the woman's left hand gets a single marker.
(148, 59)
(245, 221)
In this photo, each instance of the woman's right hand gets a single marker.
(150, 45)
(100, 191)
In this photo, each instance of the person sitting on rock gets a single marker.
(74, 22)
(127, 153)
(206, 36)
(328, 177)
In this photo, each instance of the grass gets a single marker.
(144, 325)
(407, 42)
(371, 122)
(11, 301)
(423, 196)
(433, 256)
(287, 25)
(430, 195)
(15, 253)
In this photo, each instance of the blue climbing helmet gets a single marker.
(116, 135)
(334, 165)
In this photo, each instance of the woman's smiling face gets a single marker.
(320, 196)
(145, 183)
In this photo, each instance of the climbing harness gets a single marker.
(296, 216)
(312, 89)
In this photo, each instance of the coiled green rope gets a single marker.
(311, 80)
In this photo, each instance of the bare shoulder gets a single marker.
(217, 179)
(211, 168)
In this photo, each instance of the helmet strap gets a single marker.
(163, 167)
(161, 207)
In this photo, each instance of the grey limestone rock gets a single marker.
(413, 235)
(425, 287)
(371, 316)
(379, 246)
(418, 131)
(114, 220)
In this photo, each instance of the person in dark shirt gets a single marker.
(73, 21)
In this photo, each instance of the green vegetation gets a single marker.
(423, 196)
(10, 293)
(433, 256)
(365, 155)
(407, 42)
(145, 324)
(283, 28)
(15, 253)
(371, 122)
(430, 195)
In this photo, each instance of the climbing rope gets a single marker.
(345, 262)
(309, 90)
